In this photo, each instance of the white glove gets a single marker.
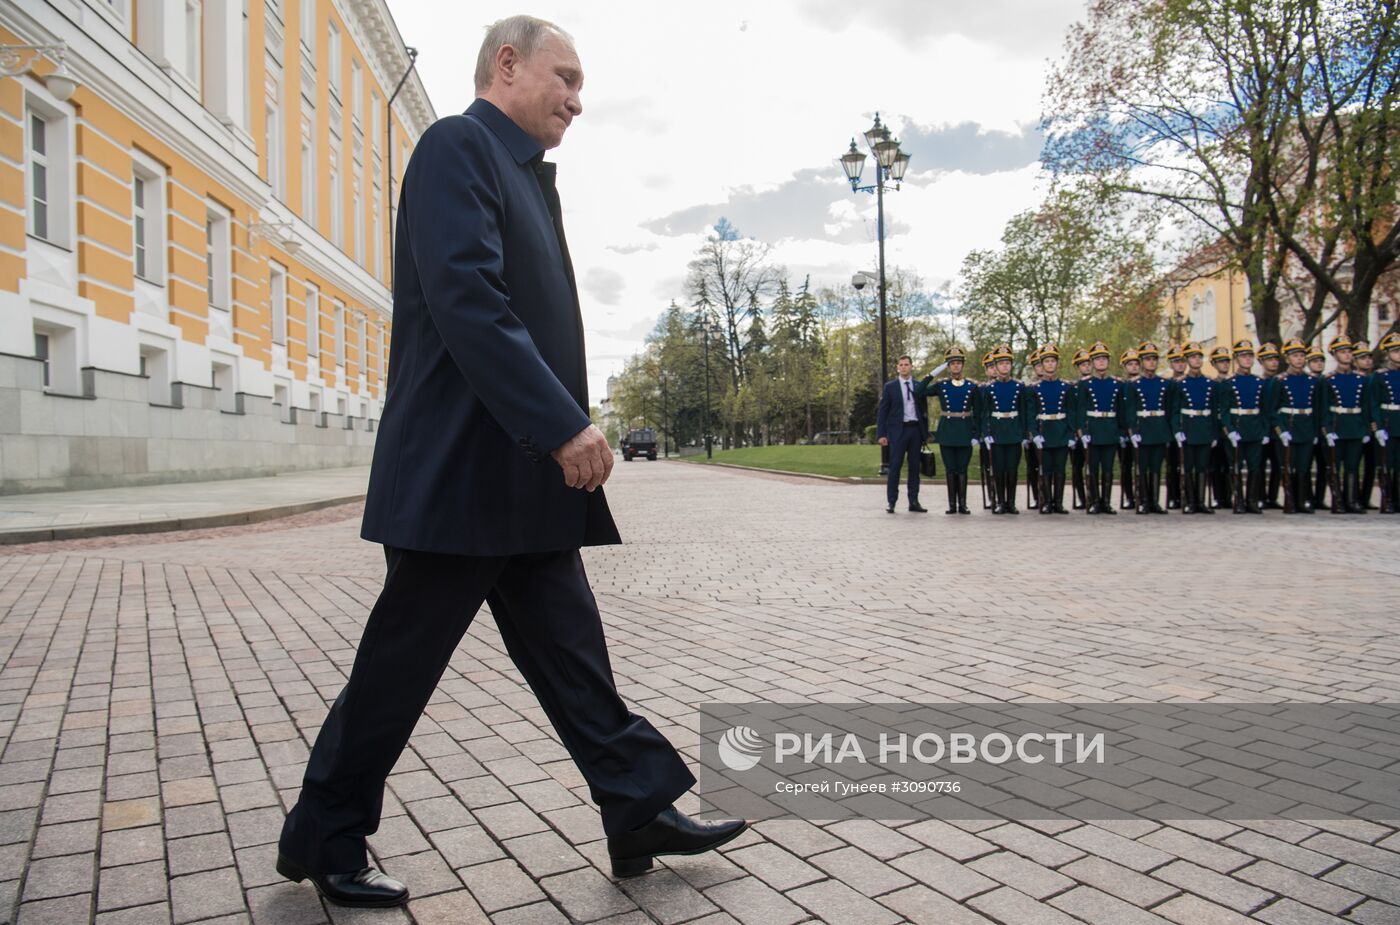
(1331, 439)
(1365, 440)
(988, 440)
(1214, 444)
(1382, 436)
(1265, 442)
(1085, 440)
(1285, 437)
(1039, 441)
(1137, 439)
(937, 369)
(974, 442)
(1122, 441)
(1314, 441)
(1234, 438)
(1180, 438)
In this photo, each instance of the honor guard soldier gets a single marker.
(1127, 478)
(1149, 430)
(1221, 487)
(1293, 420)
(1051, 421)
(984, 453)
(1004, 427)
(1078, 452)
(957, 432)
(1270, 360)
(1034, 358)
(1177, 360)
(1246, 427)
(1385, 421)
(1101, 425)
(1345, 424)
(1317, 362)
(1364, 362)
(1196, 426)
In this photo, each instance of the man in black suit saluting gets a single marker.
(487, 479)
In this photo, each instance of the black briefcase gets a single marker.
(928, 462)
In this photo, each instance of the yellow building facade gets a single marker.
(210, 211)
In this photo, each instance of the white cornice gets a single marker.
(383, 48)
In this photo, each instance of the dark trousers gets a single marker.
(1126, 476)
(1101, 458)
(1370, 455)
(1197, 458)
(1300, 458)
(904, 447)
(956, 459)
(549, 623)
(1079, 457)
(1174, 472)
(1322, 474)
(1220, 477)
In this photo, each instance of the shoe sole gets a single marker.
(632, 867)
(296, 874)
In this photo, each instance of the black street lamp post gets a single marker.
(890, 164)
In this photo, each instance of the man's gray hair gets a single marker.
(523, 33)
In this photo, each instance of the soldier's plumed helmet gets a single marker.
(1049, 350)
(1340, 342)
(1242, 346)
(1391, 341)
(1128, 356)
(1033, 357)
(1294, 344)
(953, 353)
(1148, 349)
(1099, 349)
(1315, 353)
(1267, 349)
(1174, 352)
(1080, 356)
(987, 359)
(1193, 347)
(1002, 352)
(1220, 353)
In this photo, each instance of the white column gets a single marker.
(160, 31)
(226, 61)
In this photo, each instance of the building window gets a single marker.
(155, 366)
(308, 182)
(337, 216)
(333, 59)
(41, 352)
(148, 222)
(377, 241)
(1203, 316)
(358, 205)
(194, 35)
(313, 320)
(216, 255)
(376, 130)
(273, 141)
(357, 91)
(277, 287)
(308, 28)
(339, 334)
(39, 195)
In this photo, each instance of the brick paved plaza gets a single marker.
(158, 694)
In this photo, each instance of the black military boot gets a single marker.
(1106, 493)
(1253, 488)
(1010, 493)
(952, 486)
(1201, 506)
(1353, 493)
(998, 507)
(1157, 493)
(1303, 493)
(1189, 504)
(1392, 505)
(1368, 476)
(962, 494)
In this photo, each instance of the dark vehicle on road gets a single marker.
(639, 442)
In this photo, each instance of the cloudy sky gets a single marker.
(701, 110)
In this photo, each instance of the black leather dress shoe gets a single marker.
(365, 888)
(889, 509)
(671, 832)
(918, 508)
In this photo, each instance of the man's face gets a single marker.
(1084, 368)
(1195, 361)
(905, 367)
(1050, 365)
(1221, 364)
(1270, 365)
(1244, 362)
(1179, 365)
(1100, 364)
(1393, 355)
(1003, 368)
(1149, 365)
(1343, 357)
(1317, 364)
(1296, 359)
(540, 93)
(1132, 368)
(1365, 361)
(955, 368)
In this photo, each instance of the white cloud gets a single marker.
(686, 104)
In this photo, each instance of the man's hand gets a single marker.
(1382, 436)
(1285, 437)
(1039, 441)
(1085, 439)
(1234, 436)
(586, 459)
(884, 441)
(1180, 438)
(1137, 439)
(988, 440)
(1331, 439)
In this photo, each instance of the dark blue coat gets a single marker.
(889, 417)
(486, 364)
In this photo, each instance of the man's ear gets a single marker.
(507, 59)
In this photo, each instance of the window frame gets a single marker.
(277, 301)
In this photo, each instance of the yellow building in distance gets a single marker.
(197, 240)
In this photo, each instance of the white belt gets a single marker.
(957, 414)
(1005, 414)
(1296, 410)
(1050, 417)
(1244, 410)
(1152, 414)
(1390, 407)
(1193, 413)
(1338, 409)
(1102, 414)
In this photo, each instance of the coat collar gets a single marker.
(520, 145)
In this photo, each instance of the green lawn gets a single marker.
(862, 461)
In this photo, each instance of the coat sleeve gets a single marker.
(453, 211)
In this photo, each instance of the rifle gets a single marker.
(1180, 472)
(984, 457)
(1383, 471)
(1333, 476)
(1236, 476)
(1288, 507)
(1138, 474)
(1045, 477)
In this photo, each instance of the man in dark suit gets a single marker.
(901, 423)
(486, 481)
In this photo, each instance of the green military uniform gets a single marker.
(1078, 452)
(1245, 422)
(1195, 423)
(1149, 430)
(1102, 412)
(957, 427)
(1220, 468)
(1175, 473)
(1322, 474)
(1345, 423)
(1384, 401)
(1370, 449)
(1003, 428)
(1051, 418)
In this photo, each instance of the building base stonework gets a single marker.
(113, 435)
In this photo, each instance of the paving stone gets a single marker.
(66, 838)
(1016, 908)
(425, 873)
(667, 898)
(132, 885)
(855, 867)
(499, 885)
(774, 866)
(285, 904)
(544, 853)
(1289, 912)
(923, 906)
(61, 876)
(1098, 907)
(1129, 885)
(61, 911)
(838, 904)
(1027, 876)
(1192, 910)
(205, 895)
(454, 908)
(586, 895)
(954, 880)
(754, 903)
(200, 852)
(155, 914)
